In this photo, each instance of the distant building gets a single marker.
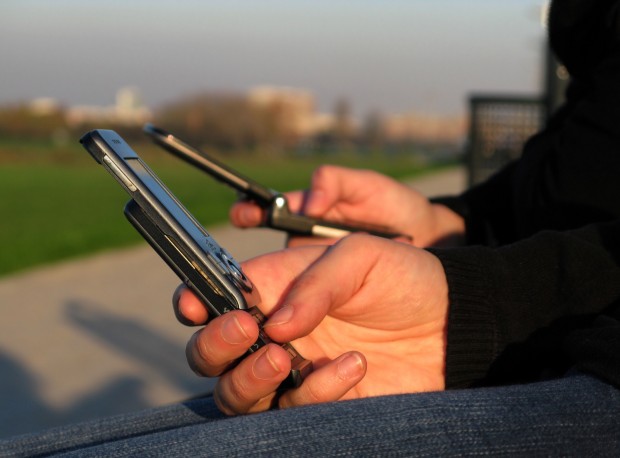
(425, 128)
(44, 106)
(128, 110)
(296, 108)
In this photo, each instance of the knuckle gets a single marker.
(203, 349)
(190, 356)
(304, 395)
(311, 395)
(199, 356)
(232, 395)
(222, 404)
(237, 389)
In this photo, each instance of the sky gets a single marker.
(391, 56)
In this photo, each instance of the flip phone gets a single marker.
(188, 249)
(277, 212)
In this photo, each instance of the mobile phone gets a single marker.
(190, 251)
(277, 212)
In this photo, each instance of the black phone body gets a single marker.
(188, 249)
(277, 212)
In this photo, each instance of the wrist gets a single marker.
(447, 227)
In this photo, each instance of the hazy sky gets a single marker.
(388, 55)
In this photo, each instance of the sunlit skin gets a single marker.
(369, 313)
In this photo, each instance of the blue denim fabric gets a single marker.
(574, 416)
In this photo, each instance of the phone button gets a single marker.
(119, 174)
(235, 271)
(217, 263)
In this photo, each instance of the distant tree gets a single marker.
(343, 130)
(20, 121)
(222, 120)
(373, 132)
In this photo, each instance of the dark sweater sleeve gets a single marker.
(515, 310)
(567, 175)
(487, 208)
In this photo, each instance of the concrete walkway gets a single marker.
(96, 336)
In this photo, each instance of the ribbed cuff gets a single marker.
(472, 331)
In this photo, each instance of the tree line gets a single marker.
(220, 121)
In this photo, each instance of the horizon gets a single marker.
(395, 56)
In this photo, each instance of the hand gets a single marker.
(369, 313)
(363, 196)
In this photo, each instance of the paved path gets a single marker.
(96, 336)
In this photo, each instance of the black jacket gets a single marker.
(537, 290)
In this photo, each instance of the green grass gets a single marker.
(54, 211)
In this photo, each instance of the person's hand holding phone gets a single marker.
(342, 194)
(370, 313)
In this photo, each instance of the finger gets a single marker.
(213, 349)
(295, 200)
(329, 383)
(246, 214)
(332, 184)
(273, 273)
(188, 309)
(326, 186)
(313, 295)
(292, 242)
(251, 386)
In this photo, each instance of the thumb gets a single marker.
(331, 281)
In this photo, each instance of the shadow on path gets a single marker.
(25, 411)
(131, 339)
(155, 356)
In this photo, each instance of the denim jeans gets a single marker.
(573, 416)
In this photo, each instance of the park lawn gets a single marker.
(55, 211)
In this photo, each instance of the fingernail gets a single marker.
(232, 332)
(282, 316)
(350, 367)
(264, 367)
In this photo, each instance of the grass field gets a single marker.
(54, 210)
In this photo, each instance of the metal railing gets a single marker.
(499, 126)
